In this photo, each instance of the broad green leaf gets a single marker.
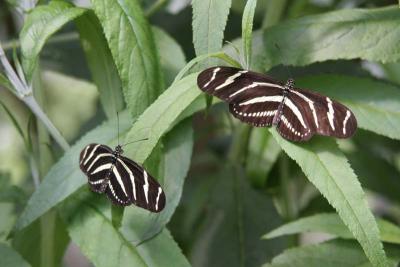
(14, 122)
(209, 21)
(10, 258)
(328, 169)
(236, 215)
(330, 254)
(161, 116)
(132, 46)
(94, 234)
(65, 177)
(172, 57)
(370, 34)
(375, 104)
(101, 64)
(263, 151)
(162, 250)
(85, 221)
(39, 25)
(332, 224)
(138, 224)
(247, 31)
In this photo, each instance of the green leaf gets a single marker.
(209, 21)
(101, 64)
(39, 25)
(10, 258)
(15, 123)
(138, 224)
(65, 177)
(162, 250)
(328, 169)
(172, 57)
(85, 221)
(247, 30)
(161, 116)
(370, 34)
(135, 54)
(375, 104)
(330, 254)
(6, 83)
(332, 224)
(230, 234)
(263, 151)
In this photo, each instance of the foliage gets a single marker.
(236, 196)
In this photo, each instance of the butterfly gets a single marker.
(261, 101)
(123, 181)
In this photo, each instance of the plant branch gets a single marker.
(24, 92)
(155, 7)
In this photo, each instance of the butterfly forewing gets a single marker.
(230, 84)
(328, 117)
(123, 181)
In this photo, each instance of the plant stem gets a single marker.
(36, 109)
(240, 142)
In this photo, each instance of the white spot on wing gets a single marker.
(131, 176)
(102, 168)
(121, 183)
(230, 79)
(146, 186)
(261, 99)
(158, 197)
(84, 154)
(345, 121)
(212, 77)
(91, 154)
(97, 158)
(310, 104)
(330, 113)
(254, 84)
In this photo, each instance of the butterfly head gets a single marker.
(289, 84)
(118, 150)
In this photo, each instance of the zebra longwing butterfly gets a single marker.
(258, 100)
(121, 179)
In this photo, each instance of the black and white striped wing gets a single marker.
(123, 181)
(146, 192)
(232, 84)
(323, 115)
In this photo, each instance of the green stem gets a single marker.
(240, 142)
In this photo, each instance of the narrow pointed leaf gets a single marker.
(247, 30)
(328, 169)
(331, 223)
(101, 63)
(132, 46)
(209, 21)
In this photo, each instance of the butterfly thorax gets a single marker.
(288, 86)
(118, 151)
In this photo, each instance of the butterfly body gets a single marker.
(261, 101)
(121, 179)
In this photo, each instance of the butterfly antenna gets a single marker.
(118, 127)
(135, 141)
